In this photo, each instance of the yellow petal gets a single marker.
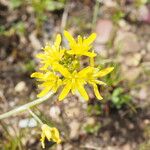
(46, 130)
(82, 91)
(37, 75)
(96, 91)
(71, 52)
(64, 71)
(89, 54)
(47, 84)
(44, 91)
(69, 37)
(55, 135)
(47, 47)
(79, 39)
(92, 61)
(65, 91)
(58, 40)
(41, 56)
(85, 71)
(100, 82)
(42, 140)
(90, 39)
(104, 72)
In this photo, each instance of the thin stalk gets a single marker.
(95, 13)
(35, 116)
(26, 106)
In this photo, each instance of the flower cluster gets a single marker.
(61, 67)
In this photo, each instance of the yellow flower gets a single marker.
(92, 78)
(72, 81)
(62, 67)
(81, 46)
(51, 133)
(52, 54)
(50, 81)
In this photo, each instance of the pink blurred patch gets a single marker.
(103, 29)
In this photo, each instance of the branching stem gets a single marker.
(26, 106)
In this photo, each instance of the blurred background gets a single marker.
(122, 119)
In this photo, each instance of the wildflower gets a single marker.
(51, 133)
(92, 78)
(50, 80)
(72, 81)
(81, 46)
(52, 54)
(62, 67)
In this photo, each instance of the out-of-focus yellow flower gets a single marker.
(51, 133)
(52, 54)
(50, 81)
(81, 46)
(92, 78)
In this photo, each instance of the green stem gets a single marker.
(95, 13)
(26, 106)
(35, 116)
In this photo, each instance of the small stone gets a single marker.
(55, 113)
(124, 25)
(109, 3)
(100, 49)
(130, 73)
(34, 41)
(90, 121)
(74, 129)
(103, 29)
(126, 42)
(59, 147)
(143, 93)
(24, 123)
(20, 86)
(144, 14)
(132, 60)
(72, 112)
(147, 121)
(126, 147)
(68, 147)
(148, 46)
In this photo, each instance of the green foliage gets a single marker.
(12, 138)
(15, 3)
(118, 16)
(139, 3)
(2, 30)
(146, 144)
(120, 98)
(29, 66)
(94, 109)
(55, 5)
(40, 6)
(92, 128)
(114, 77)
(17, 28)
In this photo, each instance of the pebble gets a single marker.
(24, 123)
(74, 129)
(130, 73)
(127, 42)
(35, 41)
(21, 86)
(103, 29)
(55, 113)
